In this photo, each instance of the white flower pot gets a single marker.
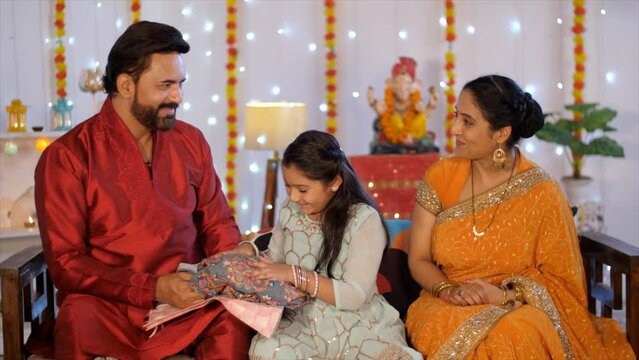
(585, 194)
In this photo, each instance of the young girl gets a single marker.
(329, 242)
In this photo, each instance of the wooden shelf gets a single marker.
(30, 135)
(18, 233)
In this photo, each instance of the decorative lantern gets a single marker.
(62, 115)
(16, 116)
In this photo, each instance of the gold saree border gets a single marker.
(470, 333)
(474, 330)
(538, 297)
(426, 196)
(519, 184)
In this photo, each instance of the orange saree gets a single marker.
(531, 245)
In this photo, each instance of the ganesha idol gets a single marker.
(400, 126)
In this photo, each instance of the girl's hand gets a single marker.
(467, 294)
(265, 269)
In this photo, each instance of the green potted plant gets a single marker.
(583, 138)
(564, 132)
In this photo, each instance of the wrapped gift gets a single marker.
(392, 180)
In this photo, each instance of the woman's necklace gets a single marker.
(477, 233)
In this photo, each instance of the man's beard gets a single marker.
(148, 116)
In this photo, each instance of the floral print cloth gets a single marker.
(227, 275)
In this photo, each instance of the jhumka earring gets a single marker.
(499, 158)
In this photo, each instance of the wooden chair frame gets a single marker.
(599, 250)
(27, 296)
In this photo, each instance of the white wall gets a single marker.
(540, 55)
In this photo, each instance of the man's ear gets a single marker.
(125, 86)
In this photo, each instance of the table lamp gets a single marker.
(272, 126)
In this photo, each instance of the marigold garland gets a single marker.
(135, 10)
(231, 118)
(580, 60)
(331, 68)
(59, 59)
(395, 127)
(450, 75)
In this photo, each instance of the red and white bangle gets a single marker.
(314, 294)
(294, 275)
(257, 251)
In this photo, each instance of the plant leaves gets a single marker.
(556, 134)
(568, 124)
(577, 148)
(604, 146)
(581, 108)
(598, 119)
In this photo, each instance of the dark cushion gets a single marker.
(394, 268)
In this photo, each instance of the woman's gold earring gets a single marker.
(499, 158)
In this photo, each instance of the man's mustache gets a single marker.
(169, 106)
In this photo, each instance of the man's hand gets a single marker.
(174, 290)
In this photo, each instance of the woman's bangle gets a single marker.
(519, 294)
(257, 251)
(438, 287)
(504, 297)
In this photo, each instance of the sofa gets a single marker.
(27, 290)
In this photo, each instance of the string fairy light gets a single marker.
(331, 68)
(450, 75)
(231, 118)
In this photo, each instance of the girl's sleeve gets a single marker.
(276, 245)
(362, 264)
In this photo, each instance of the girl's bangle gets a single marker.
(257, 251)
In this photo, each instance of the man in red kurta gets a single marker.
(122, 199)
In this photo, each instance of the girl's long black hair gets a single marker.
(319, 157)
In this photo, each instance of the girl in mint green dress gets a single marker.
(329, 242)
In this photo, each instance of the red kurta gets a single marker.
(110, 226)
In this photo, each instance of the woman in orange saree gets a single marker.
(495, 248)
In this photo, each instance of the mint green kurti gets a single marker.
(362, 325)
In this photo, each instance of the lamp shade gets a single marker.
(272, 126)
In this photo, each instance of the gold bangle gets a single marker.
(519, 294)
(504, 296)
(438, 287)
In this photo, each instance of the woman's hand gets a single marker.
(494, 293)
(466, 294)
(265, 269)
